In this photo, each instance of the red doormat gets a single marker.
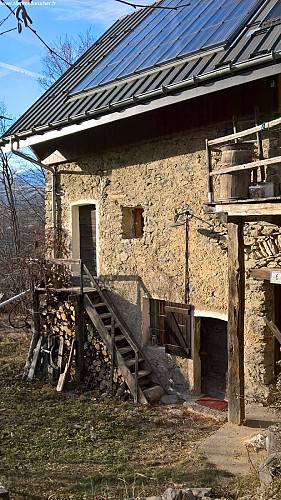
(216, 404)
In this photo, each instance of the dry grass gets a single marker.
(73, 446)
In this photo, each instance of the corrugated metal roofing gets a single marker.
(252, 42)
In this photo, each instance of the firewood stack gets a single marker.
(57, 325)
(98, 367)
(57, 329)
(58, 317)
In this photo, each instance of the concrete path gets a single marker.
(227, 449)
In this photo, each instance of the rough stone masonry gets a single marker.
(186, 263)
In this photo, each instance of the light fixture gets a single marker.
(183, 215)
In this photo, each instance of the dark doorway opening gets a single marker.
(87, 237)
(214, 357)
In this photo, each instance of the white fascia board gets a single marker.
(207, 88)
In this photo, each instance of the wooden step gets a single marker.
(125, 356)
(108, 327)
(142, 373)
(119, 337)
(99, 304)
(105, 315)
(125, 350)
(131, 362)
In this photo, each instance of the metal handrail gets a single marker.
(12, 299)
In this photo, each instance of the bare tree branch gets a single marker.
(64, 52)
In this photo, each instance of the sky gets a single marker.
(21, 54)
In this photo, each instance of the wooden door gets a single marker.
(214, 358)
(177, 329)
(87, 235)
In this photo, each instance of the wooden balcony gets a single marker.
(259, 199)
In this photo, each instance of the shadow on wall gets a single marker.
(127, 299)
(170, 371)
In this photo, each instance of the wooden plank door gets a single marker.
(178, 329)
(214, 358)
(87, 235)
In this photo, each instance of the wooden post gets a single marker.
(112, 352)
(35, 331)
(236, 306)
(79, 334)
(209, 167)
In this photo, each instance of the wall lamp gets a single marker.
(183, 215)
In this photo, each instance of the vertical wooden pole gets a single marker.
(260, 149)
(79, 333)
(210, 178)
(112, 353)
(35, 330)
(236, 306)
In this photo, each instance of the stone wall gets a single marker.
(262, 249)
(186, 263)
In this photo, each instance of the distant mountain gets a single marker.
(30, 177)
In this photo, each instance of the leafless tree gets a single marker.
(64, 52)
(21, 217)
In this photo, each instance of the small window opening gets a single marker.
(132, 222)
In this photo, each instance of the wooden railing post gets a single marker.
(136, 374)
(236, 306)
(79, 334)
(112, 352)
(35, 331)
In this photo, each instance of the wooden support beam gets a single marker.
(261, 208)
(79, 334)
(263, 273)
(236, 305)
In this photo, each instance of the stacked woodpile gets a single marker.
(57, 355)
(57, 325)
(58, 317)
(262, 244)
(48, 274)
(99, 373)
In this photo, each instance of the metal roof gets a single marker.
(253, 42)
(166, 34)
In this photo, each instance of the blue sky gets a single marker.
(20, 54)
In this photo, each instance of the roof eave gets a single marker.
(220, 79)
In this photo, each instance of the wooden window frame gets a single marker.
(132, 222)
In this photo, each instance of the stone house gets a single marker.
(123, 134)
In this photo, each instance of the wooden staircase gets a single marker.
(126, 354)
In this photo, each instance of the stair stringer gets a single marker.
(127, 375)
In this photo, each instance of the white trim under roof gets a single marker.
(204, 87)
